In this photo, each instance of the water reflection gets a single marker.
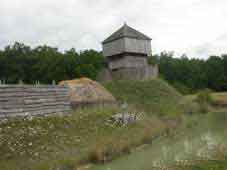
(202, 147)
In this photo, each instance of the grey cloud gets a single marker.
(217, 46)
(181, 26)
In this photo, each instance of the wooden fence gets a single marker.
(23, 100)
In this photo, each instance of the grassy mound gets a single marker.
(154, 96)
(87, 135)
(56, 142)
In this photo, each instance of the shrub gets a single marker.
(204, 96)
(183, 89)
(204, 99)
(109, 148)
(96, 155)
(189, 107)
(152, 128)
(147, 135)
(203, 107)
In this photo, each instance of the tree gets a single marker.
(216, 73)
(45, 64)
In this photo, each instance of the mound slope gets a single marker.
(153, 96)
(86, 91)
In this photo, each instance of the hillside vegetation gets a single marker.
(153, 96)
(55, 142)
(218, 101)
(45, 64)
(87, 136)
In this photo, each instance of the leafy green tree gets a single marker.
(45, 64)
(191, 75)
(215, 73)
(19, 62)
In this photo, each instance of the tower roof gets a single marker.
(126, 31)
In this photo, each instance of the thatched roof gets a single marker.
(84, 91)
(126, 31)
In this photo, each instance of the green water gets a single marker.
(198, 138)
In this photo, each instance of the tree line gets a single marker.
(46, 64)
(190, 75)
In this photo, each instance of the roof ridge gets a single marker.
(125, 26)
(126, 31)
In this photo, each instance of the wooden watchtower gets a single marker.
(126, 52)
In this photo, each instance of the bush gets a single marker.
(205, 96)
(147, 135)
(204, 99)
(183, 89)
(109, 148)
(152, 129)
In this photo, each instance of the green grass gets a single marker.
(204, 165)
(210, 165)
(57, 142)
(154, 97)
(50, 143)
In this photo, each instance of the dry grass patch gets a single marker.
(107, 149)
(220, 99)
(218, 102)
(152, 128)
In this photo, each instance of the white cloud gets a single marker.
(195, 27)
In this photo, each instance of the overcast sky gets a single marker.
(195, 27)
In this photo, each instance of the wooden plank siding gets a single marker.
(23, 100)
